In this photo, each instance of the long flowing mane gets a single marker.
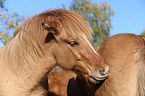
(27, 45)
(23, 24)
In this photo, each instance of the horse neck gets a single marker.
(41, 71)
(26, 61)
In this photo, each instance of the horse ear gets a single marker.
(46, 26)
(50, 26)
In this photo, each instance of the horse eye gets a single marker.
(73, 43)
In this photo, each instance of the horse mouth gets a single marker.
(102, 74)
(96, 79)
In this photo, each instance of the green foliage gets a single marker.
(98, 17)
(8, 23)
(2, 3)
(143, 33)
(4, 37)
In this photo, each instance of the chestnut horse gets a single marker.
(125, 55)
(54, 37)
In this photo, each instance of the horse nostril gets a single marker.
(101, 75)
(104, 72)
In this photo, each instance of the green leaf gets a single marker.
(98, 16)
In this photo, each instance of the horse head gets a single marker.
(72, 49)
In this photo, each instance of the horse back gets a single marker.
(119, 52)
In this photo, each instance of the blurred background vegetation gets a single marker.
(143, 33)
(98, 15)
(8, 23)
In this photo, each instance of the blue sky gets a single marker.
(129, 15)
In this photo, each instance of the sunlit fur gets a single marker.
(33, 51)
(125, 55)
(29, 41)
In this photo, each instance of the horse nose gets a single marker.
(101, 75)
(103, 72)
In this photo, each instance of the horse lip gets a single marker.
(98, 78)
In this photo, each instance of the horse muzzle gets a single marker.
(100, 75)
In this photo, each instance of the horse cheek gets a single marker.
(67, 61)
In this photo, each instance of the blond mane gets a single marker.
(23, 24)
(27, 45)
(71, 22)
